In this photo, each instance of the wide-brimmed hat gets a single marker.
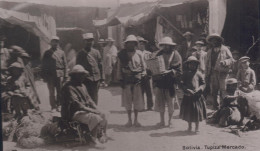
(25, 55)
(199, 42)
(192, 59)
(101, 41)
(78, 69)
(17, 49)
(244, 59)
(187, 34)
(141, 39)
(216, 36)
(16, 65)
(88, 36)
(231, 81)
(110, 39)
(167, 41)
(55, 38)
(131, 38)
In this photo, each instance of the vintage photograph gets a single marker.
(130, 75)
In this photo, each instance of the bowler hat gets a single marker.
(192, 59)
(214, 36)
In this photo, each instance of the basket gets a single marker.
(156, 65)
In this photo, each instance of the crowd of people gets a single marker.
(195, 67)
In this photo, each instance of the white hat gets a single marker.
(192, 59)
(199, 42)
(167, 41)
(187, 34)
(231, 81)
(55, 38)
(141, 39)
(216, 36)
(78, 69)
(131, 38)
(88, 36)
(110, 39)
(244, 59)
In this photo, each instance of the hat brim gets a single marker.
(163, 43)
(130, 41)
(84, 72)
(195, 61)
(209, 38)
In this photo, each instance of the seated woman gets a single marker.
(77, 105)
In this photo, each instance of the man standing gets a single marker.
(90, 59)
(219, 60)
(109, 60)
(165, 83)
(130, 72)
(186, 46)
(147, 80)
(54, 71)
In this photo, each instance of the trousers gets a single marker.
(55, 85)
(93, 88)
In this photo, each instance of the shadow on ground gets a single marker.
(173, 134)
(123, 128)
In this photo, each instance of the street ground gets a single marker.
(149, 137)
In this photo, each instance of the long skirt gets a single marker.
(193, 108)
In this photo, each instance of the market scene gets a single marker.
(157, 75)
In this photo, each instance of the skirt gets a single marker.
(193, 108)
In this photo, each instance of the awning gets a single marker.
(43, 27)
(135, 14)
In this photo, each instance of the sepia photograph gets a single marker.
(130, 75)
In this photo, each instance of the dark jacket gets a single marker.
(54, 64)
(92, 62)
(74, 98)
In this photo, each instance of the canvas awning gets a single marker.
(44, 26)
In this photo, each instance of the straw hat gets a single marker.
(131, 38)
(88, 36)
(167, 41)
(244, 59)
(101, 41)
(16, 65)
(141, 39)
(192, 59)
(187, 34)
(216, 36)
(199, 43)
(55, 38)
(231, 81)
(109, 39)
(78, 69)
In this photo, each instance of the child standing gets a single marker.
(246, 76)
(193, 108)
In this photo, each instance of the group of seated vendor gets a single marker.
(234, 106)
(18, 91)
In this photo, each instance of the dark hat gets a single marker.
(192, 59)
(214, 36)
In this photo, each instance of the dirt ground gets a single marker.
(149, 137)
